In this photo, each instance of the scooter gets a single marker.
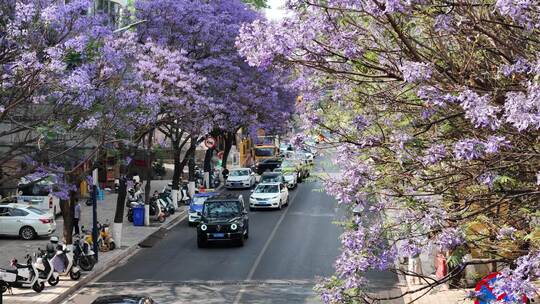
(45, 268)
(63, 263)
(134, 200)
(106, 237)
(156, 213)
(83, 254)
(167, 202)
(25, 275)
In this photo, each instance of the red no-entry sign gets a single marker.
(210, 142)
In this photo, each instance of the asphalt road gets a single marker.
(286, 252)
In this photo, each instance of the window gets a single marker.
(240, 173)
(264, 151)
(267, 189)
(4, 211)
(18, 212)
(222, 209)
(36, 210)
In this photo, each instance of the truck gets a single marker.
(38, 195)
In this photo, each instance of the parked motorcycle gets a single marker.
(105, 241)
(63, 261)
(25, 275)
(83, 254)
(45, 268)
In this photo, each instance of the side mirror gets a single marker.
(252, 190)
(199, 213)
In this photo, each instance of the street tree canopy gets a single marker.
(434, 109)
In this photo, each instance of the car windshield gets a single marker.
(271, 178)
(199, 200)
(267, 189)
(264, 151)
(240, 173)
(36, 210)
(221, 209)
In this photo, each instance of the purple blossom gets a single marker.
(479, 111)
(487, 178)
(434, 154)
(494, 143)
(506, 232)
(361, 122)
(450, 238)
(519, 282)
(469, 149)
(416, 71)
(443, 23)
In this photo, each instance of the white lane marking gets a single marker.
(265, 247)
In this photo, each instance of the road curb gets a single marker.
(110, 265)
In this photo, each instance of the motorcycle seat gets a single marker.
(10, 270)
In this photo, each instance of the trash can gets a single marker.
(138, 216)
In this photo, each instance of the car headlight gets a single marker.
(234, 226)
(275, 197)
(204, 227)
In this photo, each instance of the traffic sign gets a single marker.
(210, 142)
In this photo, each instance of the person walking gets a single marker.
(76, 217)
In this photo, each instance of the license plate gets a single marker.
(219, 235)
(263, 203)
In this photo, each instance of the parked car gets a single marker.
(124, 299)
(223, 218)
(269, 195)
(28, 222)
(240, 178)
(196, 206)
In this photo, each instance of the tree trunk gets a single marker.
(67, 207)
(229, 139)
(177, 173)
(119, 213)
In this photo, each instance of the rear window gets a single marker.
(36, 210)
(271, 178)
(18, 212)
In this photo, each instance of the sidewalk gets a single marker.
(132, 236)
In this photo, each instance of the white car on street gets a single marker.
(240, 178)
(25, 221)
(269, 195)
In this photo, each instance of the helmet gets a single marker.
(54, 239)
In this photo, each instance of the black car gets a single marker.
(272, 177)
(223, 218)
(123, 299)
(267, 165)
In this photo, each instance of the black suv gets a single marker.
(223, 218)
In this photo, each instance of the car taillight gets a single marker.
(50, 202)
(46, 221)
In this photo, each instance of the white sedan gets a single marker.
(240, 178)
(26, 221)
(269, 195)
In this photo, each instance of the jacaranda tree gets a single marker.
(434, 107)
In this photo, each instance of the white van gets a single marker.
(37, 195)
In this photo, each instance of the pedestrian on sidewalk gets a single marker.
(76, 217)
(415, 270)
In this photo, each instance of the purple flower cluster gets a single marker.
(416, 71)
(469, 149)
(519, 281)
(434, 154)
(478, 110)
(450, 238)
